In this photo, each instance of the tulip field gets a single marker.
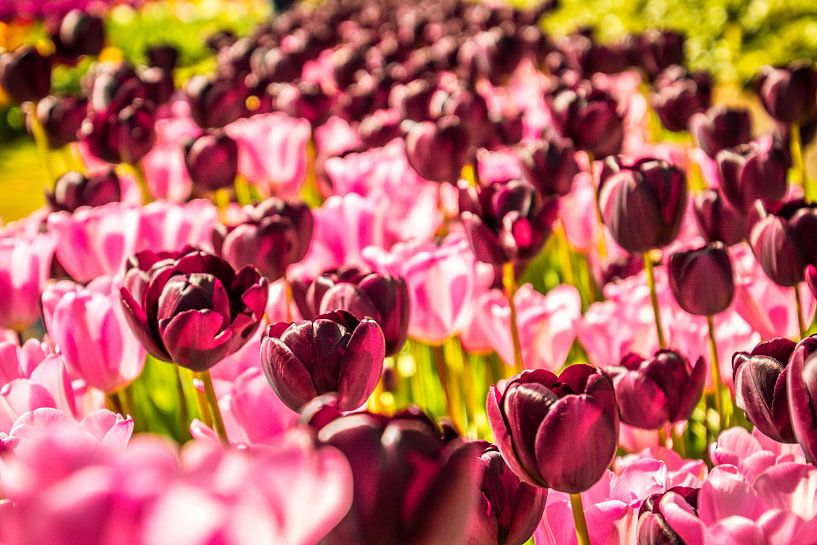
(408, 272)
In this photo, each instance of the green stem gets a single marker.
(678, 443)
(600, 242)
(582, 534)
(41, 140)
(799, 309)
(662, 436)
(716, 370)
(797, 159)
(564, 255)
(650, 270)
(184, 418)
(143, 183)
(439, 361)
(115, 403)
(212, 402)
(509, 283)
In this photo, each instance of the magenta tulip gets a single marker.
(212, 161)
(121, 136)
(74, 189)
(25, 74)
(25, 264)
(653, 527)
(802, 392)
(437, 150)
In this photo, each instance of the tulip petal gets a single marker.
(361, 366)
(286, 374)
(195, 338)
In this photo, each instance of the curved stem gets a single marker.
(509, 283)
(799, 309)
(41, 140)
(115, 403)
(600, 242)
(797, 159)
(716, 369)
(143, 183)
(582, 534)
(287, 298)
(650, 270)
(212, 401)
(439, 361)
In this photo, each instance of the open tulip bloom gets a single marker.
(402, 272)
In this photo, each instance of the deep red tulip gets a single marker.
(556, 432)
(653, 528)
(720, 127)
(438, 150)
(783, 241)
(25, 74)
(789, 94)
(74, 189)
(678, 94)
(79, 33)
(717, 220)
(590, 118)
(702, 280)
(802, 390)
(549, 165)
(61, 119)
(750, 172)
(123, 136)
(212, 160)
(214, 103)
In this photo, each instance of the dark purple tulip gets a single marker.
(437, 151)
(802, 390)
(760, 387)
(379, 128)
(783, 241)
(658, 49)
(123, 136)
(505, 130)
(717, 220)
(73, 189)
(212, 160)
(410, 486)
(643, 205)
(79, 33)
(273, 235)
(382, 297)
(653, 528)
(678, 94)
(214, 103)
(720, 127)
(159, 84)
(116, 86)
(506, 222)
(750, 172)
(334, 353)
(469, 107)
(307, 100)
(657, 391)
(702, 280)
(412, 100)
(276, 66)
(192, 308)
(164, 56)
(556, 432)
(549, 165)
(811, 279)
(509, 510)
(789, 94)
(346, 63)
(590, 118)
(25, 74)
(61, 119)
(588, 56)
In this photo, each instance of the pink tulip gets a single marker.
(335, 137)
(164, 166)
(90, 329)
(752, 452)
(20, 361)
(165, 226)
(109, 429)
(25, 265)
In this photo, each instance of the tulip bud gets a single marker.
(590, 118)
(334, 353)
(469, 107)
(717, 220)
(382, 297)
(702, 280)
(505, 130)
(661, 390)
(802, 391)
(438, 150)
(653, 528)
(783, 240)
(214, 103)
(556, 432)
(116, 86)
(412, 100)
(74, 189)
(25, 74)
(306, 100)
(760, 387)
(720, 127)
(643, 205)
(506, 221)
(191, 308)
(789, 94)
(750, 172)
(61, 118)
(549, 165)
(79, 33)
(164, 56)
(658, 49)
(273, 235)
(679, 94)
(509, 510)
(123, 136)
(212, 160)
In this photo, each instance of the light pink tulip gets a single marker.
(167, 226)
(25, 265)
(335, 137)
(752, 452)
(164, 166)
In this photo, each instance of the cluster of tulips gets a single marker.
(409, 273)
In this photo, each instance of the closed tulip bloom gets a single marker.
(717, 220)
(114, 86)
(802, 390)
(334, 353)
(549, 165)
(61, 119)
(643, 205)
(556, 432)
(412, 100)
(702, 280)
(79, 33)
(653, 528)
(411, 487)
(506, 221)
(159, 84)
(789, 94)
(273, 235)
(590, 118)
(811, 279)
(760, 387)
(380, 128)
(658, 49)
(678, 94)
(508, 510)
(783, 240)
(123, 136)
(192, 308)
(657, 391)
(164, 56)
(25, 264)
(382, 297)
(212, 161)
(437, 150)
(720, 127)
(214, 103)
(750, 172)
(25, 74)
(305, 99)
(74, 189)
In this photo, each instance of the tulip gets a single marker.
(556, 432)
(306, 100)
(25, 74)
(802, 392)
(760, 387)
(590, 118)
(212, 161)
(717, 220)
(588, 56)
(74, 189)
(379, 128)
(191, 308)
(412, 100)
(811, 279)
(273, 235)
(720, 127)
(508, 510)
(334, 353)
(678, 94)
(702, 280)
(659, 49)
(653, 528)
(410, 487)
(789, 94)
(643, 205)
(61, 119)
(437, 150)
(783, 241)
(550, 166)
(214, 103)
(114, 86)
(123, 136)
(79, 33)
(381, 297)
(657, 391)
(25, 264)
(750, 172)
(470, 107)
(164, 56)
(159, 84)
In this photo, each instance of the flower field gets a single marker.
(386, 272)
